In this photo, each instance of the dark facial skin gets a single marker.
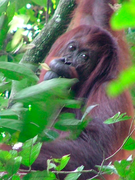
(74, 58)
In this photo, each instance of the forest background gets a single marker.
(28, 28)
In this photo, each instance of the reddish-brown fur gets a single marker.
(91, 30)
(90, 27)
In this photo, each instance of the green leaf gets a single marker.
(17, 71)
(11, 124)
(5, 19)
(50, 164)
(87, 111)
(38, 99)
(4, 156)
(14, 111)
(11, 11)
(122, 167)
(109, 169)
(124, 17)
(5, 86)
(3, 103)
(131, 174)
(67, 121)
(30, 142)
(66, 124)
(20, 4)
(117, 118)
(62, 162)
(42, 3)
(16, 177)
(3, 29)
(55, 87)
(126, 169)
(76, 104)
(3, 5)
(129, 145)
(30, 151)
(44, 175)
(50, 135)
(3, 58)
(125, 80)
(14, 153)
(74, 176)
(13, 165)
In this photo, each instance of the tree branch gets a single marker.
(43, 42)
(55, 27)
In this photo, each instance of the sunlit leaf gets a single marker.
(17, 38)
(117, 118)
(122, 167)
(45, 66)
(62, 162)
(30, 151)
(124, 17)
(124, 81)
(75, 176)
(129, 145)
(15, 177)
(109, 169)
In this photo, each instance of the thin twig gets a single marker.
(120, 146)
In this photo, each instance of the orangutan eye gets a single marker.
(72, 47)
(84, 56)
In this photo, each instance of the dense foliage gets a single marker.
(28, 109)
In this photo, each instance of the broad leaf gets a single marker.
(124, 17)
(30, 151)
(40, 91)
(17, 71)
(75, 175)
(11, 124)
(129, 145)
(62, 162)
(13, 165)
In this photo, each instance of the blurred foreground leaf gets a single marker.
(124, 17)
(16, 71)
(125, 79)
(129, 145)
